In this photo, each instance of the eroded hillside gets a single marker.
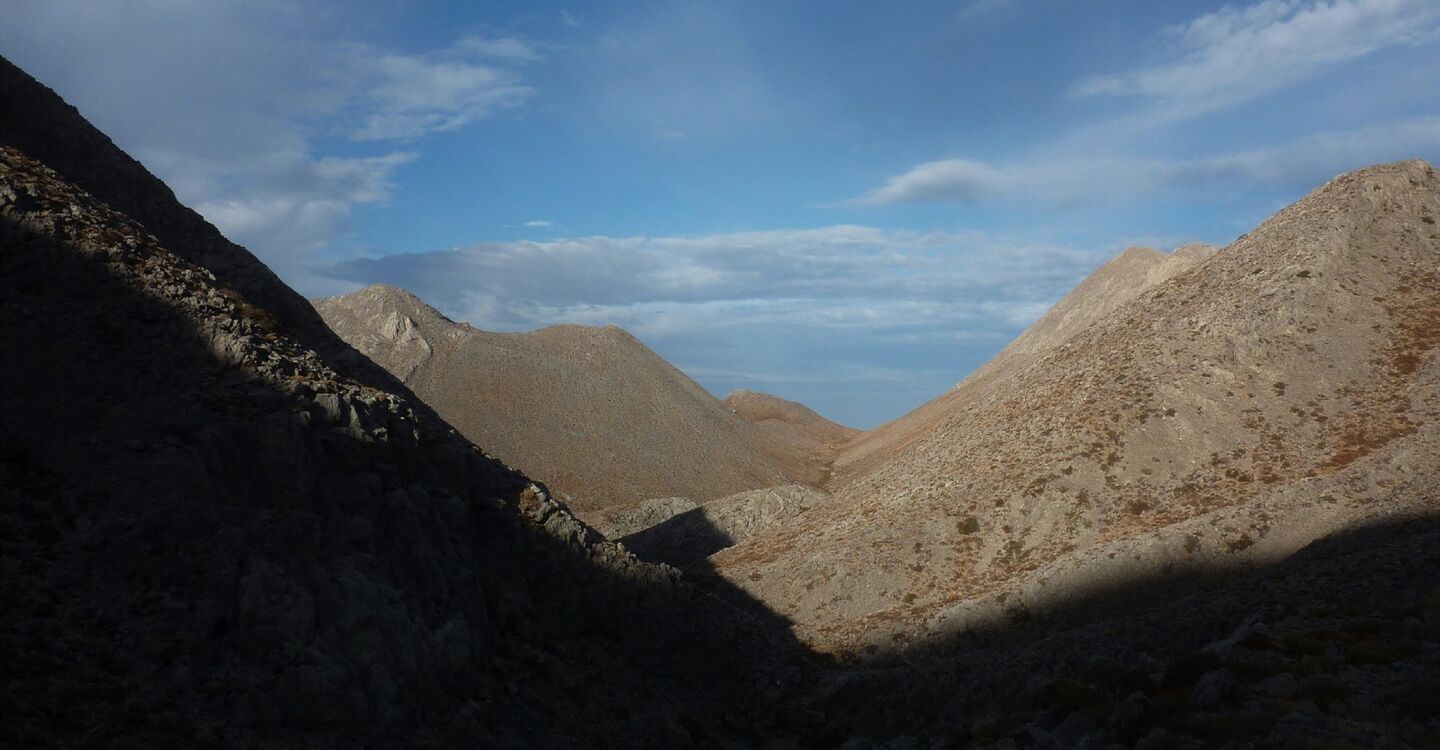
(1282, 389)
(1110, 287)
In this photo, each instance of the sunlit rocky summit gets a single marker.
(1195, 505)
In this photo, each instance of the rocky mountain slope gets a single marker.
(1283, 389)
(604, 419)
(219, 526)
(1121, 279)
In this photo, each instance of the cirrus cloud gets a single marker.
(1298, 164)
(1238, 53)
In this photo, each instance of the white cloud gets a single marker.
(872, 322)
(979, 10)
(1239, 53)
(949, 180)
(1301, 163)
(503, 48)
(538, 224)
(408, 96)
(227, 101)
(305, 210)
(831, 278)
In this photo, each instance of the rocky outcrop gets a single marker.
(690, 535)
(619, 521)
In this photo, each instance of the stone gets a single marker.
(1214, 690)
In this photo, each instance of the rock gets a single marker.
(1128, 718)
(1075, 728)
(1282, 685)
(1214, 690)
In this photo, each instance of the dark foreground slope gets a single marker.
(1336, 647)
(213, 534)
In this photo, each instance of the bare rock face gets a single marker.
(213, 533)
(1282, 389)
(619, 521)
(605, 420)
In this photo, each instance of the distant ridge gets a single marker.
(601, 417)
(795, 428)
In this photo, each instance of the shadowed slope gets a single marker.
(600, 416)
(49, 130)
(1336, 646)
(209, 535)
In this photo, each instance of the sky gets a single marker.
(848, 204)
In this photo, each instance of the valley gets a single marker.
(1195, 504)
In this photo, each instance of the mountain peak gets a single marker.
(1171, 410)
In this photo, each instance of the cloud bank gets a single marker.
(830, 277)
(885, 316)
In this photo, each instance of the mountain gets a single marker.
(602, 418)
(1120, 280)
(222, 527)
(797, 429)
(1283, 389)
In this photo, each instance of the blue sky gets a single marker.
(848, 204)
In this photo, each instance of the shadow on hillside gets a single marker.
(1346, 632)
(37, 122)
(192, 557)
(679, 540)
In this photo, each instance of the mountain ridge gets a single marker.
(1098, 441)
(1116, 282)
(602, 417)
